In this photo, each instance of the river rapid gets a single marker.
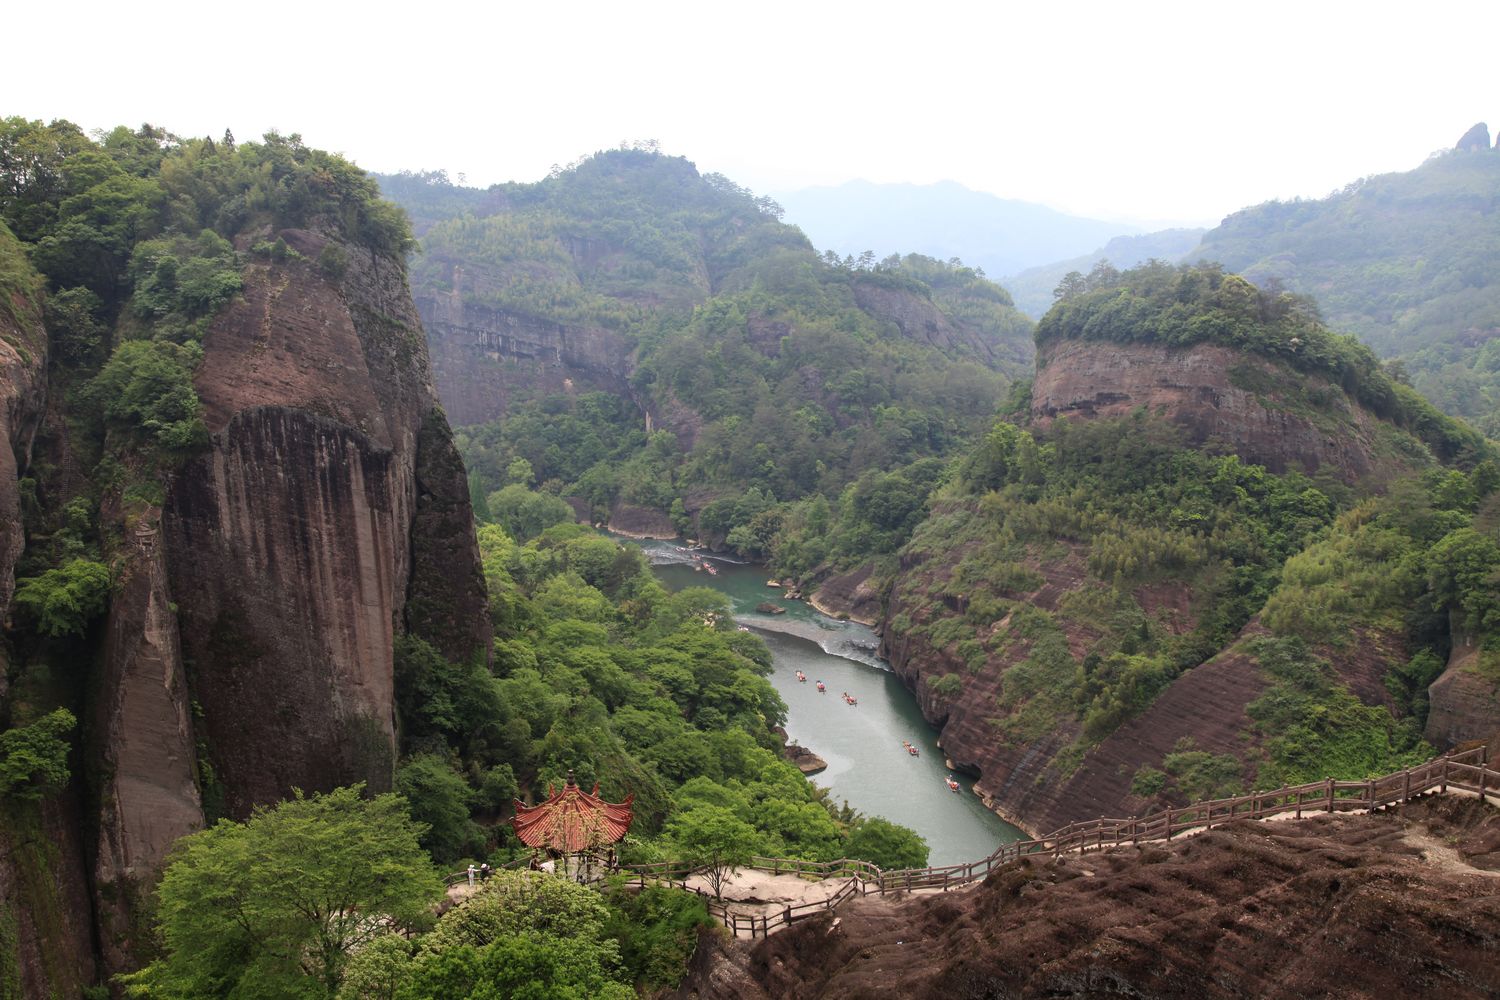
(867, 765)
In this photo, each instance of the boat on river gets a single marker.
(910, 748)
(801, 677)
(821, 688)
(952, 785)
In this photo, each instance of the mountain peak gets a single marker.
(1477, 137)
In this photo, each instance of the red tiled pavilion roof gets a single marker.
(572, 820)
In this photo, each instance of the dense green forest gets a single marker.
(1403, 260)
(778, 375)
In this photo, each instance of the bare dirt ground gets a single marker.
(1404, 903)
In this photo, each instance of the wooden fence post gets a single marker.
(1169, 823)
(1370, 794)
(1406, 790)
(1443, 780)
(1330, 795)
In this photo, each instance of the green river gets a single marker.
(867, 765)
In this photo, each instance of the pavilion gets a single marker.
(572, 822)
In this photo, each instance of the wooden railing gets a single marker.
(1467, 771)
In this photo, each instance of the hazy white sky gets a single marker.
(1136, 111)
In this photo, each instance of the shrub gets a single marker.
(64, 601)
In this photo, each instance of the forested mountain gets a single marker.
(659, 346)
(1033, 288)
(944, 220)
(262, 676)
(219, 412)
(244, 601)
(1406, 261)
(1217, 548)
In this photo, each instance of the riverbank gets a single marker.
(839, 614)
(861, 744)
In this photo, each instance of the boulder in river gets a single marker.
(767, 608)
(807, 762)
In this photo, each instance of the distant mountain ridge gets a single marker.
(943, 220)
(1032, 288)
(1406, 261)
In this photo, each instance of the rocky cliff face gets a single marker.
(1226, 400)
(290, 541)
(921, 321)
(46, 932)
(1465, 699)
(23, 366)
(249, 644)
(483, 358)
(144, 742)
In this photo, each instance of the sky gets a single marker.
(1145, 112)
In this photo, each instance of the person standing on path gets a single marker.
(472, 870)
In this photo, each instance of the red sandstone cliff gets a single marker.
(1465, 699)
(483, 357)
(1227, 400)
(44, 892)
(290, 541)
(248, 648)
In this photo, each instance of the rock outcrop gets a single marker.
(249, 645)
(144, 742)
(857, 594)
(1477, 138)
(640, 522)
(23, 366)
(483, 358)
(291, 540)
(1464, 702)
(922, 322)
(1225, 399)
(46, 916)
(1349, 906)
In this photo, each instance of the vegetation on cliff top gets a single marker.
(1190, 304)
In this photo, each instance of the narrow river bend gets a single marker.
(867, 765)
